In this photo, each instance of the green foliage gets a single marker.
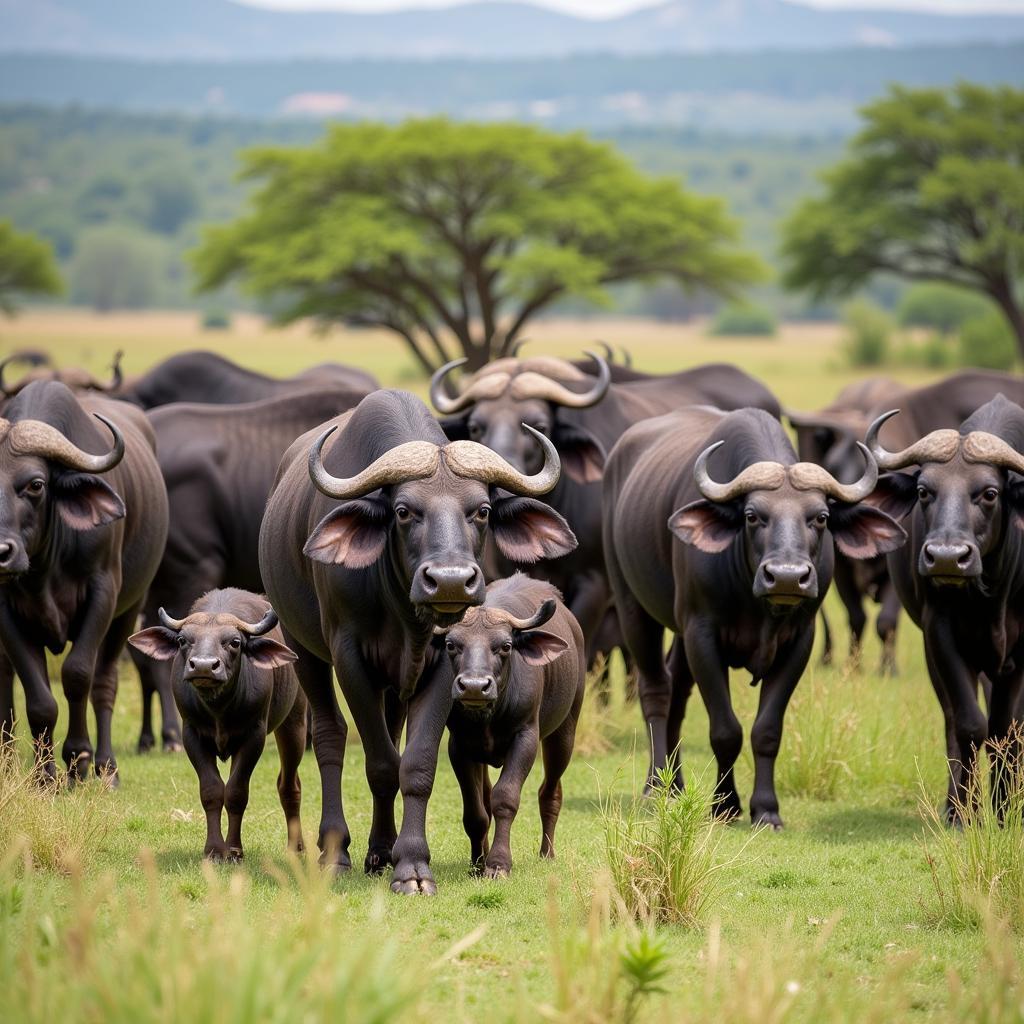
(116, 268)
(987, 342)
(26, 267)
(427, 227)
(216, 320)
(868, 332)
(939, 307)
(170, 198)
(932, 190)
(663, 852)
(744, 320)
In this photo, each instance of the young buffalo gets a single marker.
(233, 683)
(516, 686)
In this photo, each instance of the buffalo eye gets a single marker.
(449, 646)
(821, 519)
(482, 514)
(923, 494)
(182, 642)
(990, 495)
(234, 643)
(35, 486)
(752, 517)
(402, 513)
(476, 431)
(506, 647)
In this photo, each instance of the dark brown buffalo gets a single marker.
(205, 377)
(961, 576)
(584, 416)
(371, 538)
(517, 687)
(735, 569)
(82, 527)
(218, 463)
(233, 683)
(43, 369)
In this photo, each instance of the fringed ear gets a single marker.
(84, 501)
(527, 530)
(156, 642)
(353, 535)
(708, 525)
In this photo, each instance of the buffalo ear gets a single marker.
(527, 530)
(863, 531)
(707, 525)
(156, 642)
(538, 646)
(456, 428)
(583, 456)
(265, 652)
(85, 501)
(895, 494)
(353, 535)
(1015, 493)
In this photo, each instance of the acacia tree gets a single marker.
(932, 190)
(454, 235)
(27, 267)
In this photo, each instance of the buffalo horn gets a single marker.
(980, 446)
(938, 446)
(761, 476)
(168, 623)
(535, 385)
(265, 625)
(412, 460)
(32, 437)
(538, 618)
(808, 476)
(477, 462)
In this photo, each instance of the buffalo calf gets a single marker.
(233, 683)
(516, 686)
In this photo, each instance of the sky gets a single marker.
(609, 8)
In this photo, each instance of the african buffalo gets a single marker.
(43, 369)
(737, 570)
(372, 536)
(218, 463)
(516, 687)
(82, 527)
(584, 416)
(204, 377)
(233, 683)
(961, 575)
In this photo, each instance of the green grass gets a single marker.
(836, 918)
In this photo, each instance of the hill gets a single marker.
(221, 29)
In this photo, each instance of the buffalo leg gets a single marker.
(556, 750)
(329, 733)
(682, 687)
(203, 756)
(142, 663)
(476, 818)
(155, 681)
(766, 735)
(954, 766)
(850, 595)
(505, 798)
(6, 702)
(40, 706)
(826, 632)
(726, 733)
(236, 791)
(885, 625)
(428, 713)
(290, 737)
(1004, 738)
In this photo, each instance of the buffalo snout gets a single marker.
(448, 587)
(205, 670)
(475, 690)
(955, 561)
(786, 581)
(13, 558)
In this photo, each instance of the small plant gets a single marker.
(940, 307)
(216, 320)
(742, 320)
(868, 332)
(487, 897)
(987, 342)
(978, 871)
(663, 852)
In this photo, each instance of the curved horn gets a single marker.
(808, 476)
(761, 476)
(980, 446)
(168, 623)
(938, 446)
(410, 461)
(29, 356)
(627, 356)
(535, 385)
(538, 618)
(32, 437)
(516, 348)
(475, 461)
(442, 403)
(609, 355)
(265, 625)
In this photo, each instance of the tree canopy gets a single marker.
(454, 235)
(932, 190)
(27, 267)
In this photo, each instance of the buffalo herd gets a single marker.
(252, 539)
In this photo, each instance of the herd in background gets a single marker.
(391, 544)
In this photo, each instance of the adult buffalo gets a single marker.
(208, 378)
(830, 439)
(218, 463)
(82, 526)
(961, 576)
(43, 369)
(584, 416)
(371, 538)
(736, 569)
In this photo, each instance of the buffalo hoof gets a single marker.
(339, 866)
(46, 774)
(108, 774)
(497, 871)
(767, 819)
(414, 887)
(146, 743)
(78, 766)
(235, 855)
(216, 853)
(172, 746)
(377, 861)
(728, 807)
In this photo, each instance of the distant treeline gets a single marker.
(128, 193)
(771, 92)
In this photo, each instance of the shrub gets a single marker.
(216, 320)
(744, 320)
(988, 342)
(116, 268)
(869, 328)
(940, 307)
(663, 852)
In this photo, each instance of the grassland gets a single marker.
(835, 918)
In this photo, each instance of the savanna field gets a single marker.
(864, 908)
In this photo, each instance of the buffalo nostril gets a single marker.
(6, 552)
(215, 664)
(769, 576)
(192, 663)
(805, 580)
(964, 557)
